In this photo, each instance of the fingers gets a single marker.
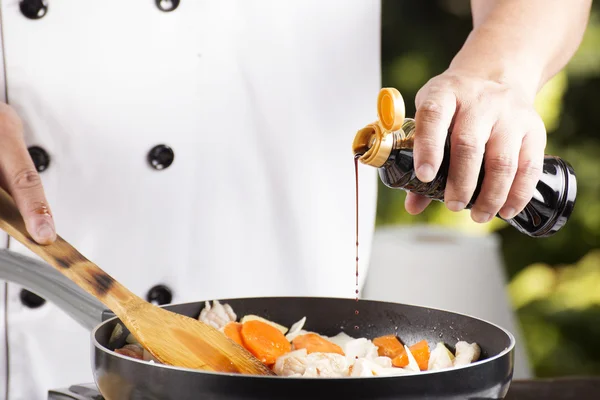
(471, 131)
(531, 161)
(435, 110)
(501, 160)
(22, 181)
(415, 204)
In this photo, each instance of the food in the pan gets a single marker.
(295, 352)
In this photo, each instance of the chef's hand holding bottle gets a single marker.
(486, 99)
(19, 177)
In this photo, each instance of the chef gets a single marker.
(201, 149)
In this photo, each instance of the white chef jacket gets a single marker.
(255, 102)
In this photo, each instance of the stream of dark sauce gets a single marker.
(356, 157)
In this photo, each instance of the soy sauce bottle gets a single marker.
(387, 145)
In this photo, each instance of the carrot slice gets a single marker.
(420, 352)
(401, 360)
(314, 343)
(388, 346)
(233, 330)
(266, 342)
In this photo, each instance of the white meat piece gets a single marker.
(360, 348)
(466, 353)
(412, 366)
(311, 372)
(292, 363)
(311, 365)
(328, 364)
(363, 368)
(383, 362)
(218, 315)
(296, 330)
(440, 358)
(230, 313)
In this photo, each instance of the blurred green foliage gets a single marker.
(554, 282)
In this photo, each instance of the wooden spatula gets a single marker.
(172, 338)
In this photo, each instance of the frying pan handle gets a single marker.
(53, 286)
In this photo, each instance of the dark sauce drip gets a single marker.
(356, 157)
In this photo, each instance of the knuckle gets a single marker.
(490, 204)
(428, 144)
(530, 170)
(430, 111)
(459, 191)
(26, 179)
(465, 147)
(520, 197)
(501, 164)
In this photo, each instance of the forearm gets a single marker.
(522, 42)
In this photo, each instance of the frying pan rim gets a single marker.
(502, 354)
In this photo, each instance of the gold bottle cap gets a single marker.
(373, 145)
(390, 109)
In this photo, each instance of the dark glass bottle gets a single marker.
(392, 154)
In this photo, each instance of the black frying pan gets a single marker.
(119, 377)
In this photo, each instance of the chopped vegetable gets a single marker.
(301, 353)
(251, 317)
(326, 365)
(132, 350)
(149, 357)
(266, 342)
(218, 315)
(412, 363)
(401, 360)
(440, 358)
(131, 339)
(341, 339)
(292, 363)
(314, 343)
(117, 336)
(388, 346)
(360, 348)
(233, 330)
(421, 353)
(296, 329)
(466, 353)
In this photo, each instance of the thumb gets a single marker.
(20, 178)
(28, 193)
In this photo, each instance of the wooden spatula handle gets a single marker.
(64, 257)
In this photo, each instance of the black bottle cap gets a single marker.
(566, 203)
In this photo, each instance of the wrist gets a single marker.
(505, 61)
